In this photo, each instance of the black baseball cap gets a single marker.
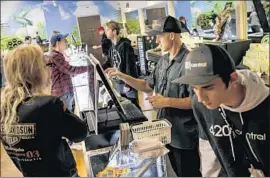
(205, 63)
(57, 37)
(165, 24)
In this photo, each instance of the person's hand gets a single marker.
(113, 72)
(158, 101)
(126, 89)
(95, 47)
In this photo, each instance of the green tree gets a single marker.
(216, 6)
(5, 39)
(133, 26)
(76, 34)
(41, 29)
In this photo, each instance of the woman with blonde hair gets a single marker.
(33, 123)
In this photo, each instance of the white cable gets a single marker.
(223, 114)
(242, 121)
(251, 149)
(248, 139)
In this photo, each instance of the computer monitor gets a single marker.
(83, 83)
(107, 84)
(93, 97)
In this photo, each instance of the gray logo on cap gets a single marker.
(189, 65)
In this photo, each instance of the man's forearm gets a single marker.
(138, 84)
(180, 103)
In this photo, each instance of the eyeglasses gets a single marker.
(50, 64)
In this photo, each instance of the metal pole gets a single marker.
(124, 20)
(171, 8)
(141, 20)
(241, 20)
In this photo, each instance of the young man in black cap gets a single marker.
(232, 109)
(172, 100)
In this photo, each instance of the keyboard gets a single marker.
(132, 112)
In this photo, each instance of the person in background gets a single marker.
(62, 71)
(195, 32)
(213, 17)
(217, 28)
(232, 109)
(183, 22)
(106, 43)
(38, 39)
(172, 101)
(254, 21)
(50, 46)
(33, 122)
(122, 57)
(28, 40)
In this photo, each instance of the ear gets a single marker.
(234, 79)
(172, 36)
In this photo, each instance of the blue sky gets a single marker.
(60, 18)
(182, 8)
(11, 8)
(66, 13)
(132, 15)
(63, 16)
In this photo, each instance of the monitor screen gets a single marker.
(83, 83)
(101, 74)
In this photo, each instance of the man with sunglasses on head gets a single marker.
(232, 110)
(172, 100)
(62, 71)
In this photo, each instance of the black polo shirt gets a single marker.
(184, 125)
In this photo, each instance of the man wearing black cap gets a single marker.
(62, 71)
(172, 100)
(232, 110)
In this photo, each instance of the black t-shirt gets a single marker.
(249, 145)
(184, 125)
(35, 143)
(184, 27)
(106, 44)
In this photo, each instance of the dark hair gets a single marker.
(55, 32)
(27, 38)
(223, 64)
(182, 18)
